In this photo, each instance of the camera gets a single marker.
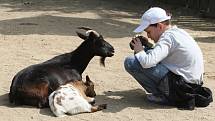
(145, 42)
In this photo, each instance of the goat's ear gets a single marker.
(88, 79)
(82, 36)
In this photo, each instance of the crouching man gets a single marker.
(173, 68)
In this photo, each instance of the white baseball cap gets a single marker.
(152, 16)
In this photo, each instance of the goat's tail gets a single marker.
(10, 95)
(12, 91)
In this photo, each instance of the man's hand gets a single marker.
(137, 45)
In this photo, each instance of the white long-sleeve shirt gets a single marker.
(179, 52)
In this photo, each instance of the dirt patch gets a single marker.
(32, 31)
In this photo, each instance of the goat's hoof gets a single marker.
(42, 105)
(39, 105)
(93, 102)
(103, 106)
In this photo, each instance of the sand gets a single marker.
(33, 31)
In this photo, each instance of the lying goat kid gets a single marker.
(73, 98)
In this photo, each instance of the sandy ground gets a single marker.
(32, 31)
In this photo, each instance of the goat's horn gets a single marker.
(84, 28)
(89, 30)
(96, 33)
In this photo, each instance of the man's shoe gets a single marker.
(159, 99)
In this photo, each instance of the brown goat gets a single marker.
(73, 98)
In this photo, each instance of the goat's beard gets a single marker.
(102, 61)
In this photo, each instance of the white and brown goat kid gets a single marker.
(73, 98)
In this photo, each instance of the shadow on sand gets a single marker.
(115, 100)
(110, 22)
(119, 100)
